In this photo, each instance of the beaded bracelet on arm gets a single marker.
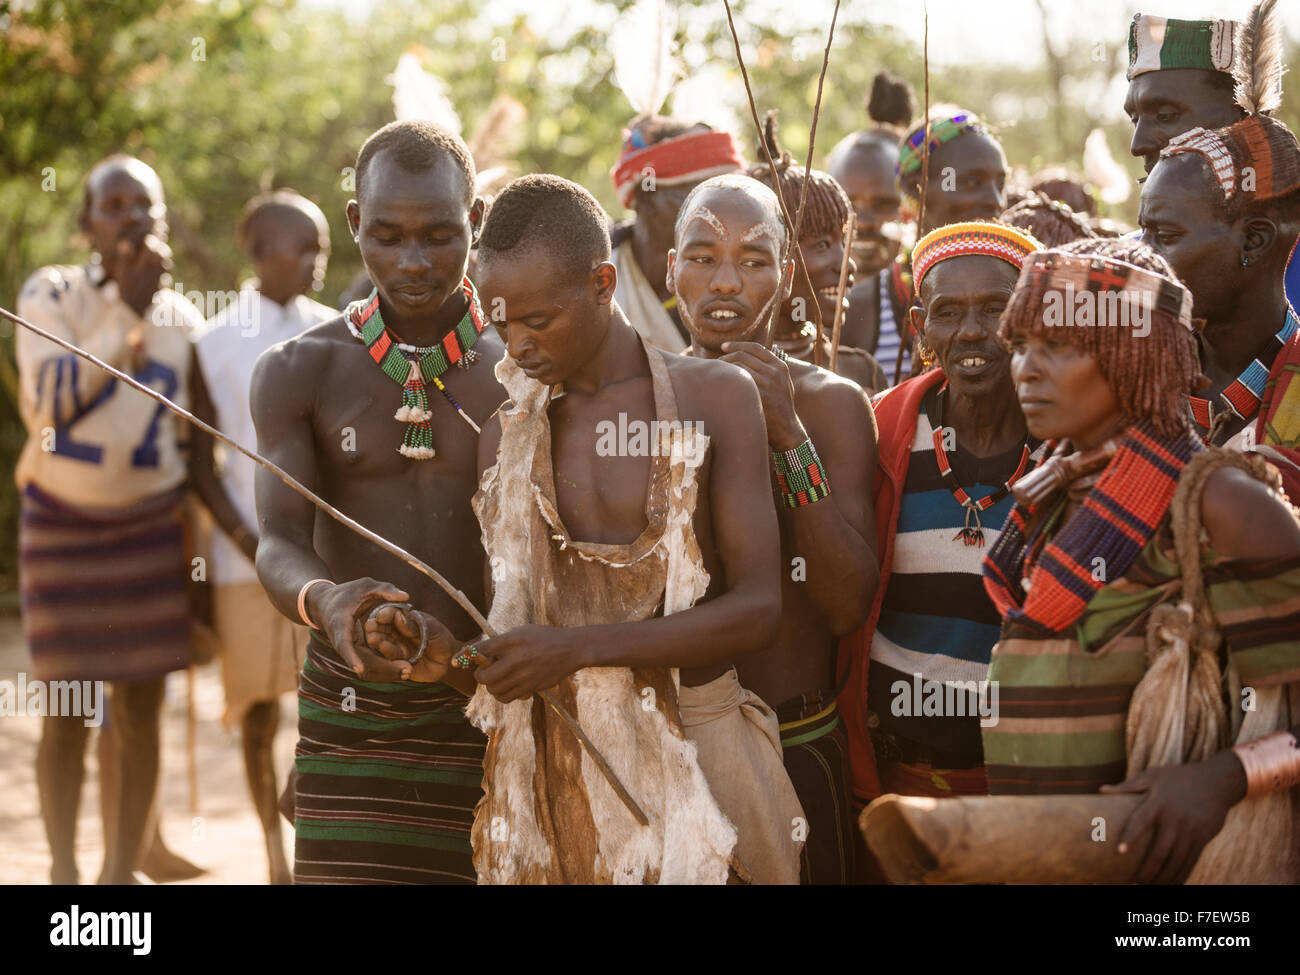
(800, 476)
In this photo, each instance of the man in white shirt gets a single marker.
(287, 240)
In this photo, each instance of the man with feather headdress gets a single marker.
(661, 161)
(1226, 220)
(1208, 73)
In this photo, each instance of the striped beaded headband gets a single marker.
(943, 129)
(976, 238)
(1054, 270)
(1215, 151)
(1162, 43)
(1258, 156)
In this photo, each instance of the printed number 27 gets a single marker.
(146, 455)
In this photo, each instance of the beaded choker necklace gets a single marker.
(412, 367)
(973, 532)
(1244, 395)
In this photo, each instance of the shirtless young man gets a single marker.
(726, 273)
(588, 541)
(324, 410)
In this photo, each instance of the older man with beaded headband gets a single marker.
(388, 772)
(1224, 208)
(1108, 673)
(726, 273)
(952, 443)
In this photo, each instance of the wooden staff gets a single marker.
(840, 291)
(795, 223)
(461, 599)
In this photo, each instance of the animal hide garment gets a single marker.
(548, 815)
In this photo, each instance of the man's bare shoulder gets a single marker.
(831, 405)
(816, 384)
(313, 348)
(293, 368)
(708, 386)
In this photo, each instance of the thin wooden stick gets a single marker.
(191, 740)
(925, 147)
(807, 171)
(839, 292)
(461, 599)
(794, 254)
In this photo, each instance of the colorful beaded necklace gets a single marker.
(412, 367)
(1243, 396)
(973, 532)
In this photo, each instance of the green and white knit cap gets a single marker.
(1161, 43)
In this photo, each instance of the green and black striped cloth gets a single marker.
(387, 779)
(1064, 697)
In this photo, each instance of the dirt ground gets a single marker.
(222, 834)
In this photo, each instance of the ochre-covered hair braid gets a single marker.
(827, 206)
(1151, 374)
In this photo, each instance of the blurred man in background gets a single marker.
(287, 240)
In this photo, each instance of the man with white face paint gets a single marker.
(726, 271)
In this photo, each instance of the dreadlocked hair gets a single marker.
(1151, 374)
(1051, 221)
(827, 207)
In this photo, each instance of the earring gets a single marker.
(1245, 262)
(924, 353)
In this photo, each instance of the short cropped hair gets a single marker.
(416, 146)
(756, 189)
(550, 212)
(266, 205)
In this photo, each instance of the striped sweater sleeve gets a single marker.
(1257, 605)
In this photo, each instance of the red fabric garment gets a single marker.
(1283, 385)
(896, 416)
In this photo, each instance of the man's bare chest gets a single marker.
(355, 418)
(602, 456)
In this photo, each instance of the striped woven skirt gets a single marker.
(817, 760)
(104, 591)
(387, 778)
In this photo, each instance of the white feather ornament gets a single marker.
(641, 42)
(1257, 68)
(417, 94)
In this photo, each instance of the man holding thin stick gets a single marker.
(378, 411)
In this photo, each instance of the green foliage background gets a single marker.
(229, 97)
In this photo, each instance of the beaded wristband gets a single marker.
(799, 475)
(1271, 763)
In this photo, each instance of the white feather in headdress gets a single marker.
(1257, 68)
(712, 95)
(1102, 171)
(641, 42)
(417, 94)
